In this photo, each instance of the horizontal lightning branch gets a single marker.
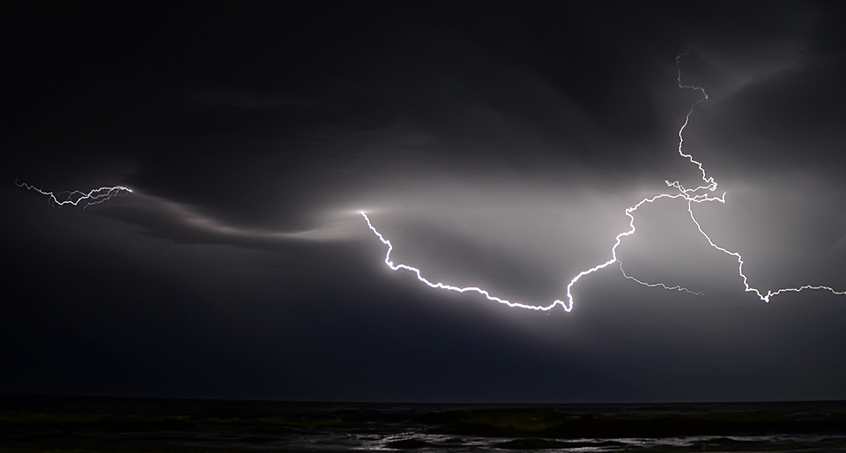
(698, 194)
(77, 197)
(464, 289)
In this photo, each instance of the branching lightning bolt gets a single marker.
(77, 197)
(698, 194)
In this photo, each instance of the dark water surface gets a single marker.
(32, 423)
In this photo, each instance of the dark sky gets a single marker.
(495, 144)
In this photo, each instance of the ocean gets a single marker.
(98, 424)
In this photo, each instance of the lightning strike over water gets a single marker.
(74, 198)
(698, 194)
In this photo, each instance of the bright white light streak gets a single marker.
(464, 289)
(93, 196)
(691, 195)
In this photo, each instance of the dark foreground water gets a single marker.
(58, 424)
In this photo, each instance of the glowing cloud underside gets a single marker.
(698, 194)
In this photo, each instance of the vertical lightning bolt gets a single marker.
(698, 194)
(77, 197)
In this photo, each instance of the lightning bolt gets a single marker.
(92, 197)
(699, 194)
(464, 289)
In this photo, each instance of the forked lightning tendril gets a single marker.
(93, 196)
(698, 194)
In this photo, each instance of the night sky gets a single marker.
(495, 144)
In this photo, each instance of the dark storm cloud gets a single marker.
(449, 99)
(795, 108)
(494, 144)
